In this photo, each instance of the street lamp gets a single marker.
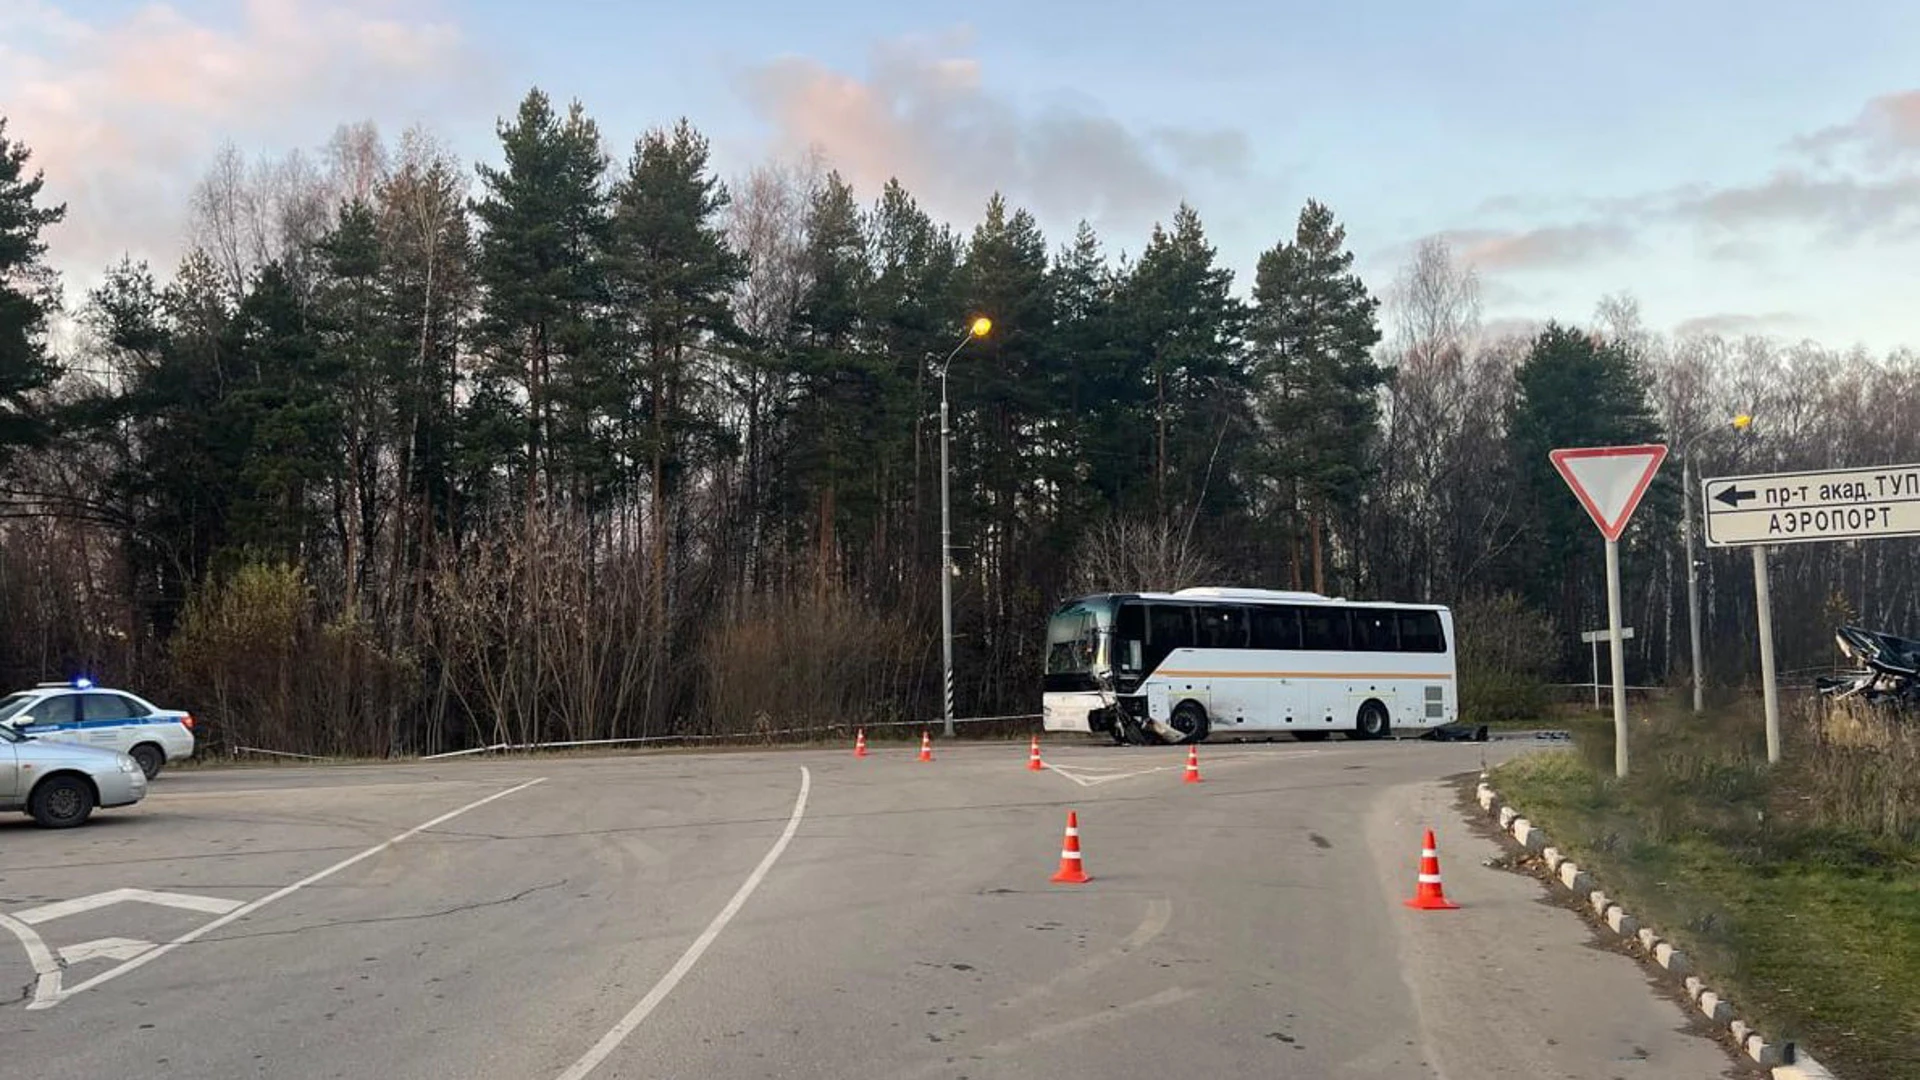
(1739, 423)
(979, 328)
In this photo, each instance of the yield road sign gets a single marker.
(1804, 507)
(1609, 480)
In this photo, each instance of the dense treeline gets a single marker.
(407, 456)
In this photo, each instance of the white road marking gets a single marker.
(1159, 914)
(611, 1040)
(1074, 772)
(249, 908)
(46, 983)
(212, 905)
(1170, 996)
(113, 948)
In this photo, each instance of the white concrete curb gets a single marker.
(1711, 1005)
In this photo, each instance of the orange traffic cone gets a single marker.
(1033, 756)
(1071, 872)
(1428, 895)
(860, 743)
(1193, 766)
(926, 747)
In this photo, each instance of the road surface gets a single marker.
(806, 914)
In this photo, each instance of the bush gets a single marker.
(1859, 768)
(253, 660)
(1504, 650)
(808, 660)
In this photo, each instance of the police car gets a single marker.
(88, 715)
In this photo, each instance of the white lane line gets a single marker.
(611, 1040)
(46, 984)
(249, 908)
(113, 948)
(211, 905)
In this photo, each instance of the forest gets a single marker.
(409, 454)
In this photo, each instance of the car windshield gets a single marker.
(13, 703)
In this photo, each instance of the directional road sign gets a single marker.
(1804, 507)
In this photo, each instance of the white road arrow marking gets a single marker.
(212, 905)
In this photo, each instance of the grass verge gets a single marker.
(1796, 888)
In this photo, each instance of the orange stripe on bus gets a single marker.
(1374, 675)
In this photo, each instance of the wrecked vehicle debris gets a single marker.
(1889, 671)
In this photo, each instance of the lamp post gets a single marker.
(1739, 423)
(979, 328)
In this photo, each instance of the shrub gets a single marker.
(1504, 650)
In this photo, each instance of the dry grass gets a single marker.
(1797, 887)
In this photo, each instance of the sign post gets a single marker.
(1609, 481)
(1754, 511)
(1593, 638)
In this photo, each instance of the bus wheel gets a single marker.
(1373, 722)
(1129, 732)
(1190, 720)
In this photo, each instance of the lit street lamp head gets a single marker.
(981, 327)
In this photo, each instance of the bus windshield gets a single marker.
(1073, 638)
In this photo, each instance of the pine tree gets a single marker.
(832, 371)
(29, 292)
(1101, 407)
(286, 410)
(669, 272)
(544, 221)
(1573, 389)
(1000, 401)
(909, 310)
(1188, 328)
(1313, 331)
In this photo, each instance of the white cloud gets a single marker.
(924, 114)
(123, 114)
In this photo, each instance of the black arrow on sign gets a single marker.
(1733, 496)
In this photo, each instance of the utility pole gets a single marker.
(978, 329)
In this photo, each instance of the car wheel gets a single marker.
(151, 758)
(61, 802)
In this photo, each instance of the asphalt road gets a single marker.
(806, 914)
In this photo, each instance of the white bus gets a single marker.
(1178, 667)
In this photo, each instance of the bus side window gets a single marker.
(1130, 638)
(1375, 630)
(1327, 629)
(1276, 627)
(1169, 627)
(1420, 632)
(1221, 628)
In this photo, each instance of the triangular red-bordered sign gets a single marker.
(1609, 480)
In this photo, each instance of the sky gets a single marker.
(1748, 167)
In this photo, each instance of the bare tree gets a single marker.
(1125, 554)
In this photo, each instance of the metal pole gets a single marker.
(946, 575)
(1593, 651)
(1693, 578)
(1619, 660)
(1763, 605)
